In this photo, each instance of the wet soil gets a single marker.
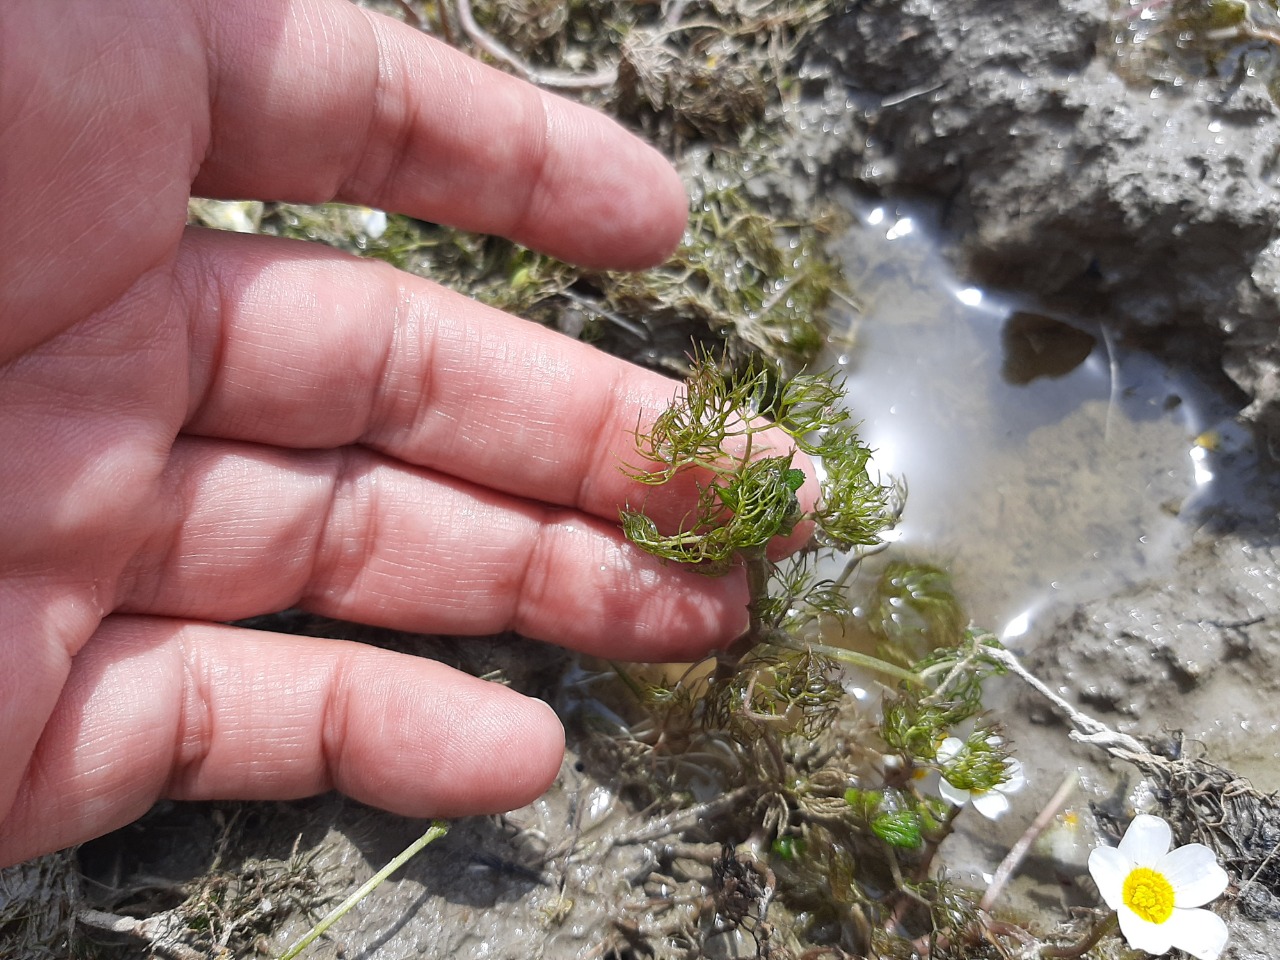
(1137, 190)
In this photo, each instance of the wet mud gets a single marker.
(1126, 179)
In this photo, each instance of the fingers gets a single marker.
(244, 529)
(303, 346)
(160, 708)
(110, 113)
(320, 100)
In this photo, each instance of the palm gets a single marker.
(201, 427)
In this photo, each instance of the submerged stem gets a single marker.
(758, 571)
(1072, 950)
(852, 657)
(1019, 850)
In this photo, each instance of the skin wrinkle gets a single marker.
(289, 366)
(549, 383)
(250, 535)
(222, 46)
(554, 527)
(234, 32)
(138, 573)
(60, 207)
(358, 182)
(142, 584)
(534, 203)
(465, 342)
(194, 733)
(556, 379)
(78, 120)
(195, 287)
(331, 551)
(297, 728)
(598, 449)
(167, 340)
(381, 396)
(491, 575)
(162, 527)
(456, 741)
(305, 44)
(207, 86)
(119, 209)
(96, 345)
(359, 146)
(415, 321)
(335, 726)
(524, 593)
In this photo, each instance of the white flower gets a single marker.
(1154, 890)
(993, 803)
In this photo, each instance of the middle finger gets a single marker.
(305, 347)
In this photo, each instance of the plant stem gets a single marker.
(758, 571)
(903, 898)
(605, 77)
(1019, 850)
(1072, 950)
(437, 830)
(853, 657)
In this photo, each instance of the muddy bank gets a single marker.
(1080, 153)
(1077, 161)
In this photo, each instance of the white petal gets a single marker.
(1143, 934)
(953, 795)
(1016, 778)
(949, 749)
(1195, 874)
(1146, 840)
(1109, 869)
(1199, 932)
(992, 804)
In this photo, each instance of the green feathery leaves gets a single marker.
(747, 496)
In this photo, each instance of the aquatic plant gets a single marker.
(749, 497)
(831, 795)
(965, 767)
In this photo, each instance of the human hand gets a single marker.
(199, 427)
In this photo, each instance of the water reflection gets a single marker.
(1044, 458)
(1037, 346)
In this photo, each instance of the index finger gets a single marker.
(318, 100)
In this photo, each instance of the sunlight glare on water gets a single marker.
(1044, 459)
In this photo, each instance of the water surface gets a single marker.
(1045, 458)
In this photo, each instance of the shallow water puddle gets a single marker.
(1045, 460)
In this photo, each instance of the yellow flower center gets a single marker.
(1148, 894)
